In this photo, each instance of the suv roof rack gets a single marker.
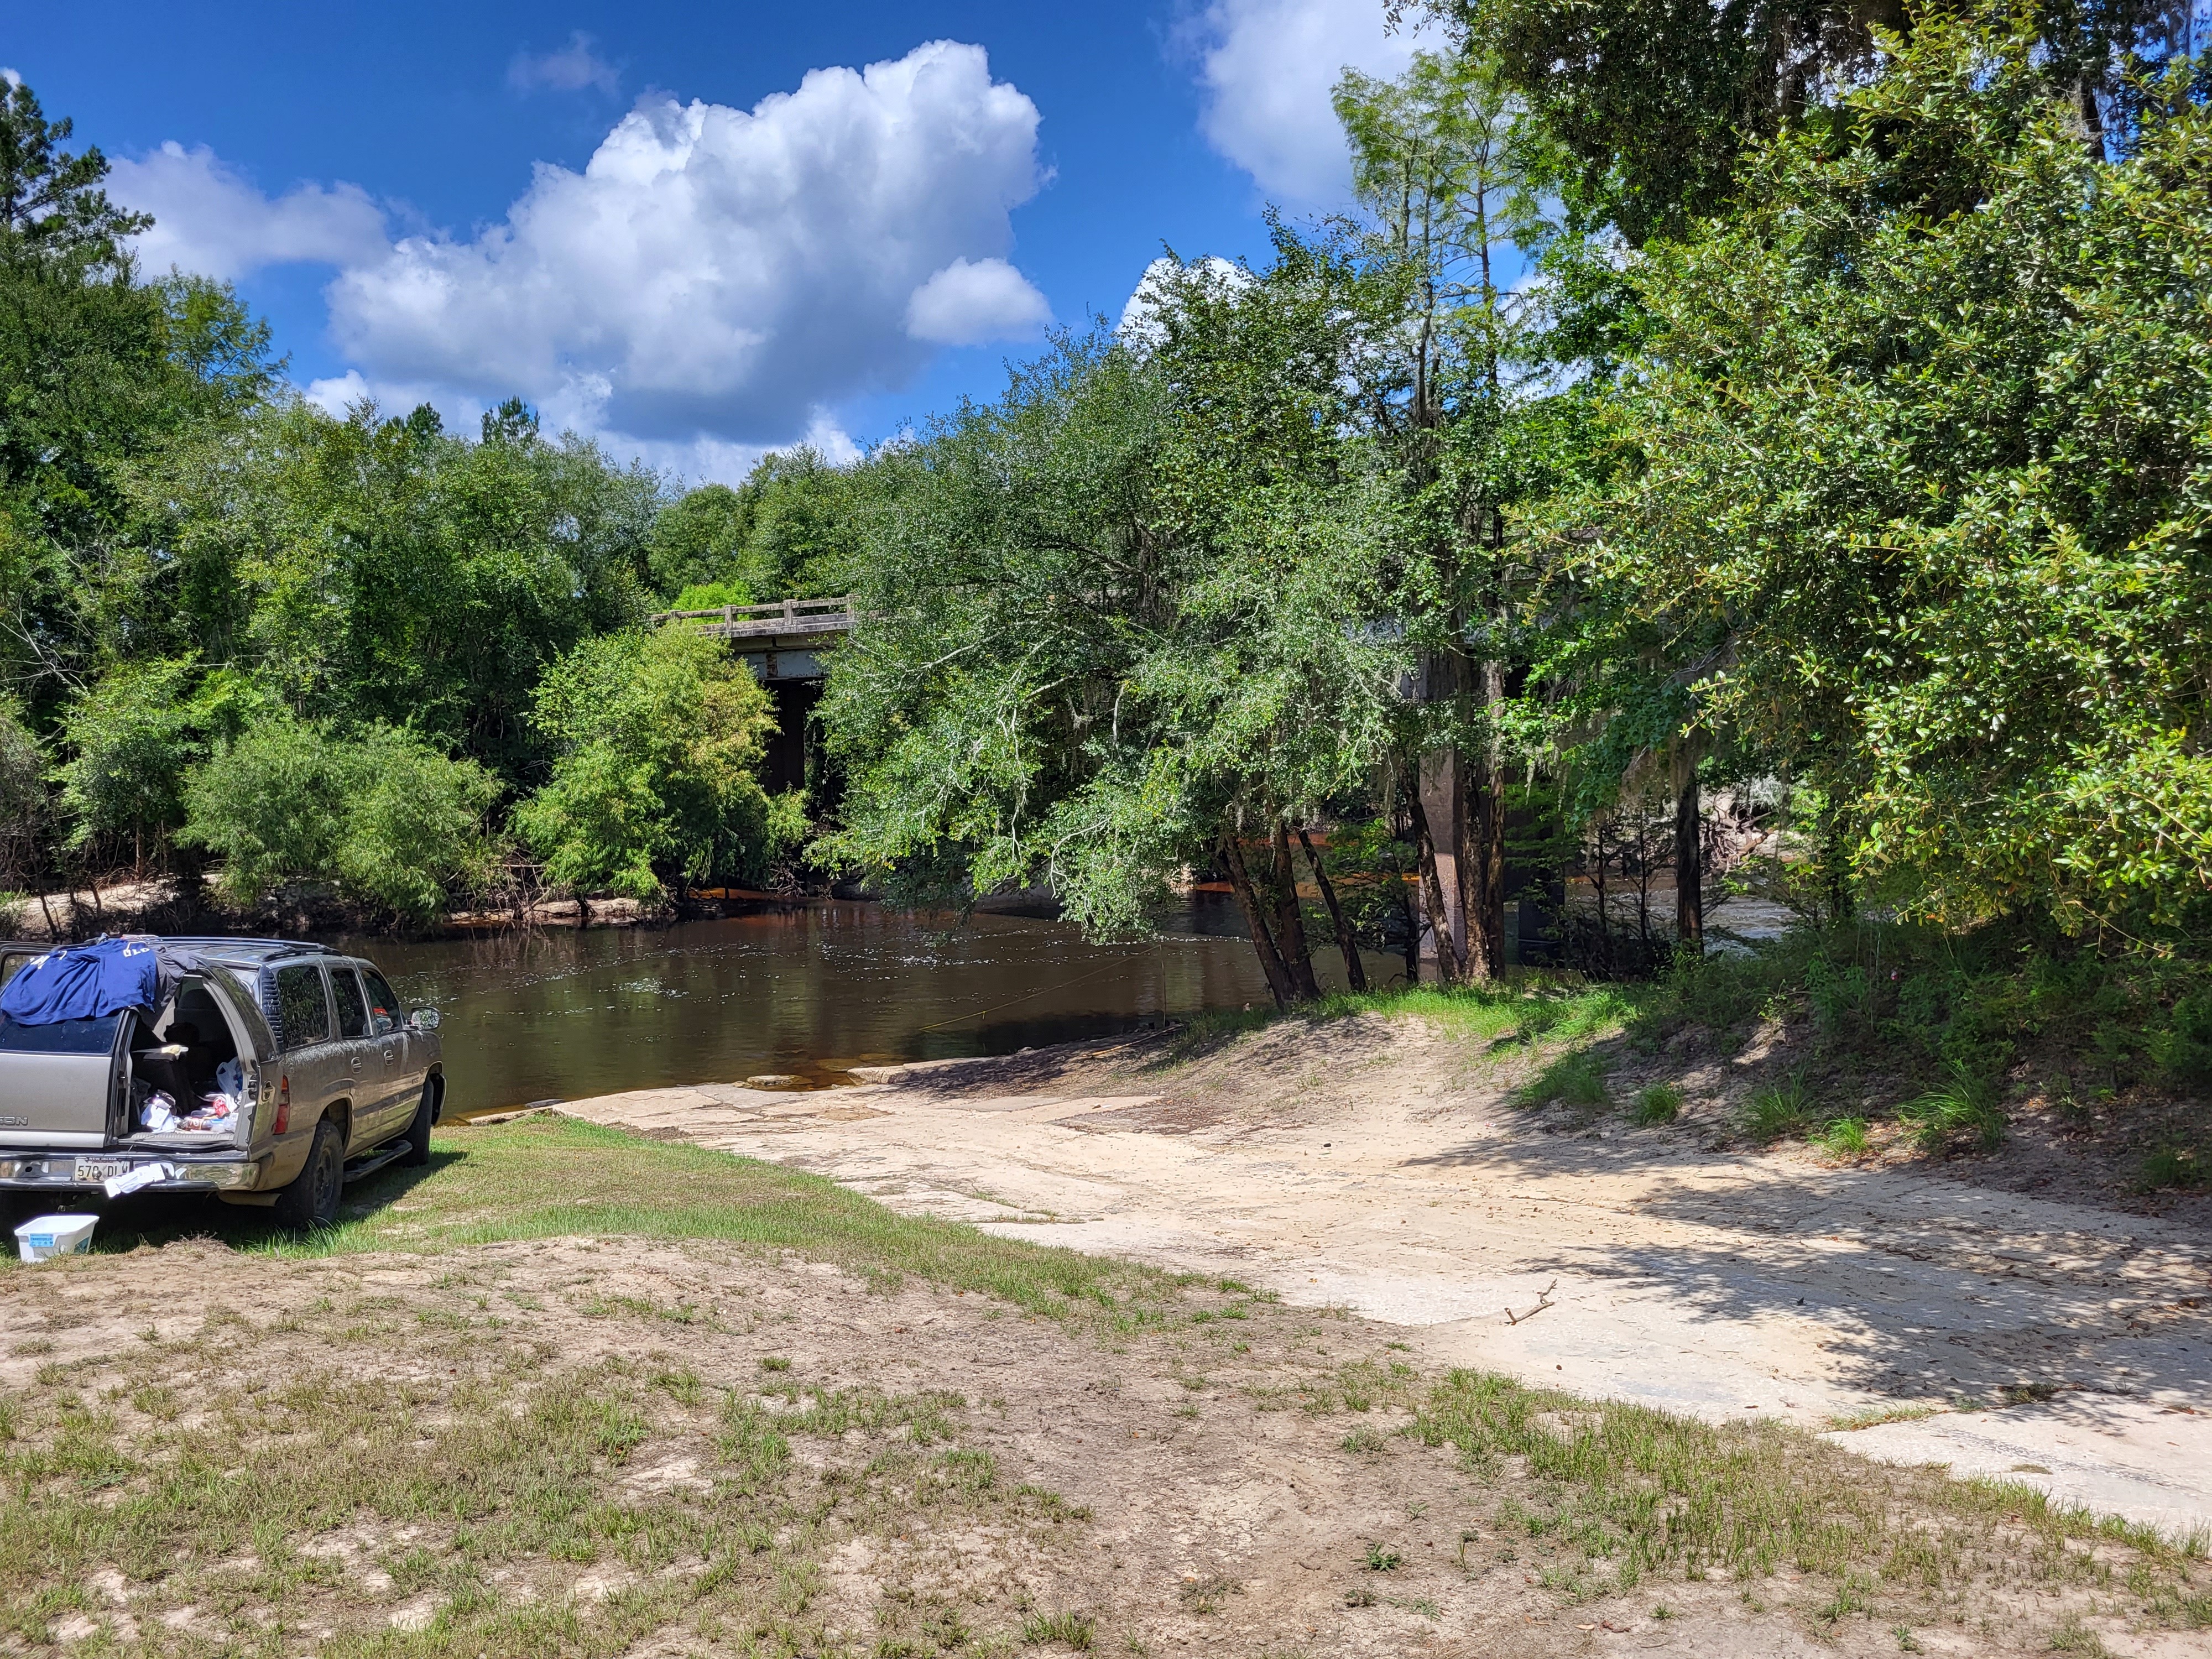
(256, 946)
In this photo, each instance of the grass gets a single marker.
(1961, 1109)
(1521, 1008)
(1774, 1109)
(551, 1177)
(1640, 1491)
(482, 1489)
(1073, 1630)
(1655, 1104)
(2171, 1168)
(1845, 1137)
(1575, 1078)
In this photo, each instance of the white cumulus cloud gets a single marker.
(719, 271)
(1267, 68)
(570, 69)
(713, 281)
(966, 304)
(210, 219)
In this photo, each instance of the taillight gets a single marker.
(284, 1104)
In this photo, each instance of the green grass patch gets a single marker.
(1655, 1104)
(1575, 1078)
(553, 1177)
(1636, 1491)
(1845, 1137)
(1777, 1109)
(2171, 1168)
(1522, 1007)
(1960, 1110)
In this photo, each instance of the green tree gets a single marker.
(398, 827)
(371, 569)
(1448, 168)
(1653, 104)
(656, 784)
(1915, 458)
(51, 203)
(1127, 618)
(131, 738)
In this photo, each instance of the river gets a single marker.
(805, 990)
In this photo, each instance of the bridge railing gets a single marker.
(825, 616)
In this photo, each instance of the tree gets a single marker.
(23, 797)
(374, 569)
(1127, 618)
(1448, 166)
(659, 738)
(396, 827)
(1915, 453)
(51, 203)
(1654, 103)
(131, 736)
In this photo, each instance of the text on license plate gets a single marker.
(99, 1169)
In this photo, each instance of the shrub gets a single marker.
(1661, 1102)
(394, 825)
(1776, 1108)
(1965, 1108)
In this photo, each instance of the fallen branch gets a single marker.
(1543, 1301)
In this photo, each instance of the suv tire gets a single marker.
(312, 1199)
(418, 1132)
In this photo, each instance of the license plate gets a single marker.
(99, 1169)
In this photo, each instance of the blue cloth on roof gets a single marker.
(86, 980)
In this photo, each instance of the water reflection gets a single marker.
(807, 990)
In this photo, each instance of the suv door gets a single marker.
(313, 1060)
(370, 1072)
(406, 1051)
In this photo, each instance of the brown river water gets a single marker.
(806, 990)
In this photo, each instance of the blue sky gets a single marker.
(593, 206)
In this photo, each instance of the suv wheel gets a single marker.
(418, 1132)
(312, 1199)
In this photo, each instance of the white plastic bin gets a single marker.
(48, 1236)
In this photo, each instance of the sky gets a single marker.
(697, 233)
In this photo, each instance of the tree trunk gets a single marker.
(1355, 974)
(1689, 859)
(53, 928)
(1290, 921)
(1263, 944)
(1432, 892)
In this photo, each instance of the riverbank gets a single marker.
(572, 1387)
(1916, 1310)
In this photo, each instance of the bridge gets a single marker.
(781, 640)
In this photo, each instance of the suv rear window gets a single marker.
(95, 1036)
(301, 1004)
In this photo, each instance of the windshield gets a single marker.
(95, 1036)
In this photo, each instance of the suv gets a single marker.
(310, 1074)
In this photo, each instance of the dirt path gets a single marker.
(1370, 1165)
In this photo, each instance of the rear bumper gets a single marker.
(56, 1172)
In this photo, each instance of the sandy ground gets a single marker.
(1375, 1166)
(1203, 1516)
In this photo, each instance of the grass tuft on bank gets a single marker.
(1525, 1007)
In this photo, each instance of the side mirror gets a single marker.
(423, 1019)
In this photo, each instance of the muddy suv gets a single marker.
(277, 1072)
